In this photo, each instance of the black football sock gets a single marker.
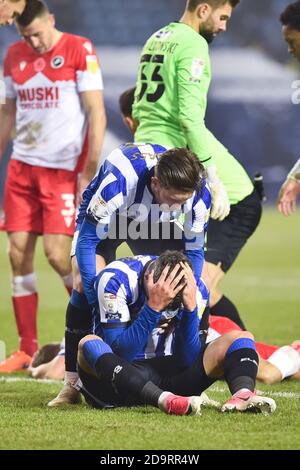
(225, 308)
(241, 365)
(126, 379)
(79, 323)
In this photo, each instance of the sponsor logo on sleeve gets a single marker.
(197, 68)
(92, 64)
(98, 208)
(88, 46)
(111, 306)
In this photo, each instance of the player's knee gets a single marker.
(246, 334)
(59, 262)
(18, 258)
(241, 335)
(85, 340)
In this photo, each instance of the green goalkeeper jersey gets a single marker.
(171, 100)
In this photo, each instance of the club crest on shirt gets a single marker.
(163, 35)
(57, 62)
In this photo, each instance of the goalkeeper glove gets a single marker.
(220, 201)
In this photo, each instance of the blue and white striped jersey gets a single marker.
(121, 300)
(123, 186)
(123, 183)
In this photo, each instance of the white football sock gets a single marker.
(287, 361)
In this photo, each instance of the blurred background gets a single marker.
(250, 106)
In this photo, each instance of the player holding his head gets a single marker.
(143, 194)
(135, 364)
(54, 96)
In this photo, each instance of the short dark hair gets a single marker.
(193, 4)
(291, 16)
(181, 169)
(126, 102)
(34, 9)
(171, 259)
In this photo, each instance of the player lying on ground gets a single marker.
(134, 364)
(275, 363)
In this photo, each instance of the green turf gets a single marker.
(265, 284)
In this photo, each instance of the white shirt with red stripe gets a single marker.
(51, 121)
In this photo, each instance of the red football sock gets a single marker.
(25, 308)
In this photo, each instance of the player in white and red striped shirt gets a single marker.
(54, 95)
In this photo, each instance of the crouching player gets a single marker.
(134, 364)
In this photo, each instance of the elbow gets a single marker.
(189, 125)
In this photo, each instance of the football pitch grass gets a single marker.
(264, 283)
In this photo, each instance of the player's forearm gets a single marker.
(132, 341)
(88, 240)
(196, 256)
(96, 131)
(187, 341)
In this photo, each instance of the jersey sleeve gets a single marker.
(110, 196)
(113, 307)
(195, 228)
(10, 91)
(187, 344)
(192, 103)
(88, 71)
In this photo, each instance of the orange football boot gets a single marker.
(17, 362)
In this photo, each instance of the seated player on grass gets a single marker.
(134, 364)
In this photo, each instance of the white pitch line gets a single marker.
(28, 380)
(291, 395)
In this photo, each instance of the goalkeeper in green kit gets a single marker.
(169, 109)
